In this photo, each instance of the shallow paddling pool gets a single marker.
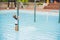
(46, 26)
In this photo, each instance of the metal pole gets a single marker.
(18, 14)
(34, 10)
(59, 13)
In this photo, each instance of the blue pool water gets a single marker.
(46, 26)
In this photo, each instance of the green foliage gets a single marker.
(4, 0)
(24, 1)
(40, 3)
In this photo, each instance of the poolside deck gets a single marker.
(52, 6)
(4, 6)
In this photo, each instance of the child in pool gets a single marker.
(15, 17)
(16, 24)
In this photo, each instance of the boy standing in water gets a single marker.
(16, 24)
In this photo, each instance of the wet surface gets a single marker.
(45, 27)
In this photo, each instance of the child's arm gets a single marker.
(15, 17)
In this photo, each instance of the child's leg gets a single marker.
(16, 27)
(15, 4)
(8, 3)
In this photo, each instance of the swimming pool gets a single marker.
(46, 26)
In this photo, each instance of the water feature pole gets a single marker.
(59, 13)
(18, 15)
(34, 10)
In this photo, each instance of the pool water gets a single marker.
(46, 26)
